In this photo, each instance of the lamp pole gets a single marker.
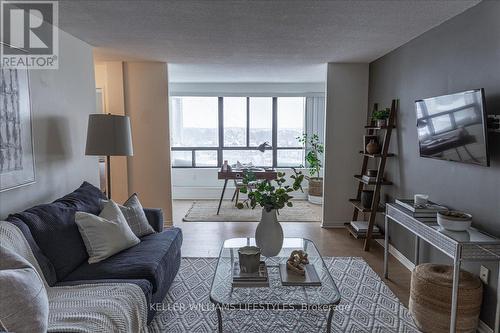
(108, 170)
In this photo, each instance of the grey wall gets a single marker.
(346, 105)
(61, 101)
(462, 53)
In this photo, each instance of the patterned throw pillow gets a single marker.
(106, 234)
(135, 216)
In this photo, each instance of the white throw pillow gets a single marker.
(106, 234)
(135, 216)
(24, 306)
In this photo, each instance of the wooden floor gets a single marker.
(204, 239)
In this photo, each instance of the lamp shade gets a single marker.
(109, 135)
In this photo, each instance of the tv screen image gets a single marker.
(453, 127)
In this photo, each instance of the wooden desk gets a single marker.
(239, 174)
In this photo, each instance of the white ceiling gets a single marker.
(253, 40)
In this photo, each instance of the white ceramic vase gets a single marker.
(269, 234)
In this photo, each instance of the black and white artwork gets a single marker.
(17, 164)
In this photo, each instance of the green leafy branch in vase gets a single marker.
(269, 196)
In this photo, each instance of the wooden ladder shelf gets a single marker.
(380, 181)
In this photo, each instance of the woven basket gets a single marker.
(430, 299)
(316, 186)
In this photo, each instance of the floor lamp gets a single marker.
(109, 135)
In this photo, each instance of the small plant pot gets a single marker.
(366, 198)
(381, 122)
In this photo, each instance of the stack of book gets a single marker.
(250, 280)
(361, 228)
(427, 212)
(369, 179)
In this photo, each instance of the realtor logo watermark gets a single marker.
(29, 34)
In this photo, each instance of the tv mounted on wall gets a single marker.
(453, 127)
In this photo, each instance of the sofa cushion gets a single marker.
(54, 230)
(24, 306)
(106, 234)
(151, 259)
(135, 216)
(87, 198)
(45, 265)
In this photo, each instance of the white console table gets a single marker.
(466, 246)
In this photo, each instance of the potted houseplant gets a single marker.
(271, 196)
(381, 116)
(314, 151)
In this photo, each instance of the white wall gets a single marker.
(346, 112)
(202, 183)
(61, 101)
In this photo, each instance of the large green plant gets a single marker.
(267, 195)
(314, 151)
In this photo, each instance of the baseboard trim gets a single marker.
(481, 327)
(398, 255)
(324, 226)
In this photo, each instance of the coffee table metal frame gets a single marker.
(268, 305)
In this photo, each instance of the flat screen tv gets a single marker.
(453, 127)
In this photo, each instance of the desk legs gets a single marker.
(454, 295)
(222, 195)
(386, 248)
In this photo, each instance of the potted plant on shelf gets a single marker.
(314, 152)
(272, 198)
(381, 116)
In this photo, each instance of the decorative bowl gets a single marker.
(454, 220)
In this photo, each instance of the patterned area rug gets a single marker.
(367, 305)
(206, 211)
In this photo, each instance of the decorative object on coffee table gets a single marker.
(382, 154)
(249, 257)
(314, 151)
(454, 220)
(269, 234)
(430, 299)
(297, 261)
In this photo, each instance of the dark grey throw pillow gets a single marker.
(135, 216)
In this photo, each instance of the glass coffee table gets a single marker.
(276, 296)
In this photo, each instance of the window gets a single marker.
(205, 131)
(195, 122)
(235, 121)
(261, 120)
(290, 120)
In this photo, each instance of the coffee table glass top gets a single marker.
(276, 295)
